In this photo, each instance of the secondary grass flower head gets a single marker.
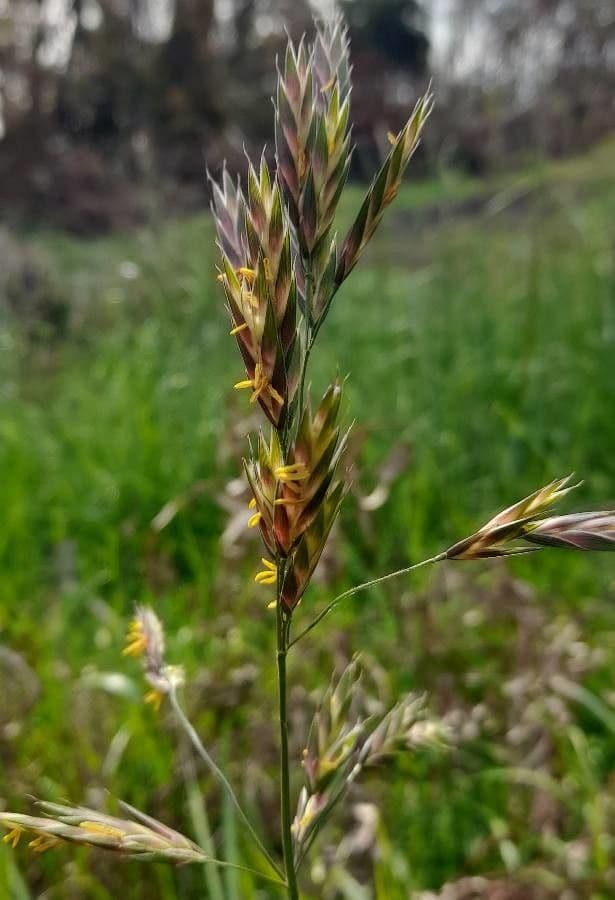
(139, 836)
(145, 640)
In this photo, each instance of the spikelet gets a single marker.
(313, 150)
(304, 558)
(258, 276)
(288, 496)
(312, 134)
(407, 726)
(579, 531)
(384, 188)
(314, 455)
(140, 836)
(335, 732)
(309, 809)
(517, 521)
(145, 639)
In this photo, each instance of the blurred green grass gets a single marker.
(478, 334)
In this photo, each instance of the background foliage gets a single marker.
(479, 339)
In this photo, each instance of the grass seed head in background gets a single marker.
(146, 639)
(140, 836)
(352, 731)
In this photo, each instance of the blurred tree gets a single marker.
(397, 29)
(98, 97)
(388, 37)
(526, 76)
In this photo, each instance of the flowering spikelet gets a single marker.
(335, 731)
(260, 471)
(305, 556)
(313, 148)
(297, 501)
(258, 277)
(511, 524)
(352, 730)
(140, 836)
(146, 639)
(312, 460)
(384, 188)
(312, 135)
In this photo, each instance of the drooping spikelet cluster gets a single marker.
(351, 732)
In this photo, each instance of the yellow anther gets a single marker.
(265, 577)
(254, 520)
(252, 503)
(267, 268)
(13, 837)
(292, 472)
(245, 272)
(260, 385)
(287, 501)
(154, 698)
(268, 575)
(136, 643)
(99, 828)
(238, 328)
(272, 604)
(44, 842)
(220, 277)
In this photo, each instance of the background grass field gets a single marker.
(479, 339)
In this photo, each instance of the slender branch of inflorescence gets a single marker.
(221, 778)
(363, 587)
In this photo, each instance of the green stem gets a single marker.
(221, 778)
(287, 839)
(363, 587)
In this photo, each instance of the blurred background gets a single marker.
(479, 336)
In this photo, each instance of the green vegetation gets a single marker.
(480, 336)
